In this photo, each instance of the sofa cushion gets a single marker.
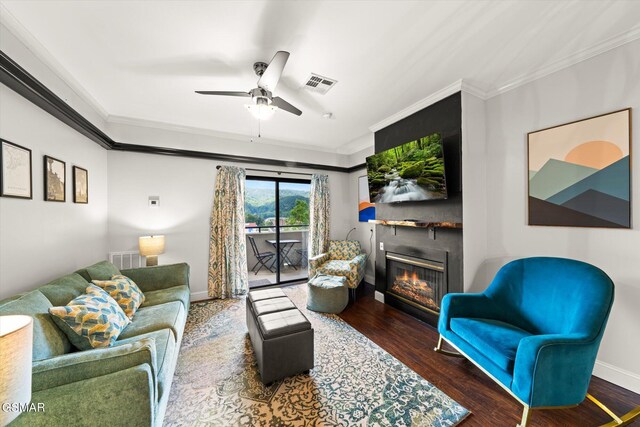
(103, 270)
(62, 290)
(497, 340)
(165, 353)
(175, 293)
(344, 249)
(91, 320)
(48, 340)
(170, 315)
(124, 291)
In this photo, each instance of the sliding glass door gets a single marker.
(277, 227)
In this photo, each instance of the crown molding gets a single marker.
(357, 144)
(43, 55)
(468, 87)
(19, 80)
(457, 86)
(583, 55)
(192, 130)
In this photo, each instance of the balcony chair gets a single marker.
(263, 258)
(344, 258)
(535, 331)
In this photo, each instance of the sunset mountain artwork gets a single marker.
(579, 173)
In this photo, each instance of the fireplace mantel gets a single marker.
(416, 223)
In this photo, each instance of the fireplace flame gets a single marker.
(414, 277)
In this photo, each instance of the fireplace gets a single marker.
(419, 282)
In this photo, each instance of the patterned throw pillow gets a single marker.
(125, 291)
(91, 320)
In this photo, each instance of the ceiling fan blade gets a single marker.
(224, 93)
(269, 79)
(281, 103)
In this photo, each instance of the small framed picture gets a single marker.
(55, 179)
(80, 185)
(15, 176)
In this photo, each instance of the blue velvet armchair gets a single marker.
(535, 330)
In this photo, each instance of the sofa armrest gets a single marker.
(554, 369)
(123, 398)
(82, 365)
(159, 277)
(464, 305)
(315, 263)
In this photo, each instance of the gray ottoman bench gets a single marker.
(281, 336)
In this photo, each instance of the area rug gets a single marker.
(354, 382)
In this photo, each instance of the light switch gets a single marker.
(154, 201)
(382, 246)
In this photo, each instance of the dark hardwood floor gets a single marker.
(412, 341)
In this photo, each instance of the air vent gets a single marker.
(319, 84)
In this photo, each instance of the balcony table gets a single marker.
(285, 248)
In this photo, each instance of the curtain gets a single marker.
(319, 215)
(228, 275)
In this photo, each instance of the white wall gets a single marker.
(44, 240)
(185, 187)
(474, 201)
(35, 59)
(605, 83)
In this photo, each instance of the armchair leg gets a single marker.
(622, 420)
(526, 412)
(439, 349)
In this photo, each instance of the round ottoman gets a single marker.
(327, 294)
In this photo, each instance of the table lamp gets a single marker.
(16, 346)
(150, 247)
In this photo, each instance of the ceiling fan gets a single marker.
(264, 103)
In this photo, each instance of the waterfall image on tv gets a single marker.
(410, 172)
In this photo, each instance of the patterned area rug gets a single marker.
(354, 382)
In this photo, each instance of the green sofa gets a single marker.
(127, 384)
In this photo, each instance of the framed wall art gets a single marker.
(54, 179)
(16, 173)
(580, 173)
(80, 185)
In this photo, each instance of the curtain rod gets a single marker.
(270, 171)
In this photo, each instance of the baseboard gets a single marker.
(617, 376)
(379, 296)
(199, 296)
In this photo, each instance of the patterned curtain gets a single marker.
(319, 215)
(228, 275)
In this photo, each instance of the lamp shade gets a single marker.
(151, 245)
(16, 347)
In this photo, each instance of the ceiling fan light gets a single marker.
(261, 111)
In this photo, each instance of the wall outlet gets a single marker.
(382, 246)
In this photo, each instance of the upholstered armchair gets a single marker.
(535, 330)
(343, 258)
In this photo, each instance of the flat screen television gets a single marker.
(411, 172)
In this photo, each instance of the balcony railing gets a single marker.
(272, 228)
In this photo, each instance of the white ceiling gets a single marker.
(144, 59)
